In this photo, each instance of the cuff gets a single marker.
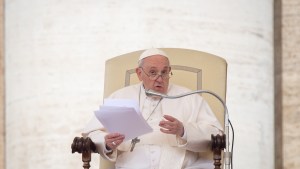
(107, 152)
(182, 141)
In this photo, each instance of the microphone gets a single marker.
(227, 153)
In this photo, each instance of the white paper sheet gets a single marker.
(122, 103)
(123, 116)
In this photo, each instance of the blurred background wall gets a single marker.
(52, 78)
(2, 102)
(287, 80)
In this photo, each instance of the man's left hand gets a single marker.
(171, 126)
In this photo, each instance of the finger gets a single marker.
(170, 118)
(167, 131)
(113, 135)
(172, 127)
(112, 145)
(117, 141)
(113, 142)
(167, 126)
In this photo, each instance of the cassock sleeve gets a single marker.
(95, 131)
(201, 124)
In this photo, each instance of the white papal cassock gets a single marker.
(158, 150)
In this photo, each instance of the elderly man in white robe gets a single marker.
(181, 127)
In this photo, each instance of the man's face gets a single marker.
(152, 66)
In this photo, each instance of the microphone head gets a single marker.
(151, 93)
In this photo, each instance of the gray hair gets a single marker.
(141, 62)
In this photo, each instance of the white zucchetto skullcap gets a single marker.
(151, 52)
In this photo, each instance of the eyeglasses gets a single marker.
(153, 75)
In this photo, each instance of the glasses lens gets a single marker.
(155, 75)
(163, 76)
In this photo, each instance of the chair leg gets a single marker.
(217, 159)
(86, 159)
(218, 145)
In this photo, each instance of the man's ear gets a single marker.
(138, 72)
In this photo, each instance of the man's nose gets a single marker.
(159, 78)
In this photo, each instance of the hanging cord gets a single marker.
(231, 166)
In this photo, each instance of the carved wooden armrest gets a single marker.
(218, 143)
(84, 146)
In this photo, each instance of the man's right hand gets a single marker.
(113, 140)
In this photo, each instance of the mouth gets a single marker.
(158, 87)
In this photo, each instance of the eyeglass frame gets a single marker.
(156, 75)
